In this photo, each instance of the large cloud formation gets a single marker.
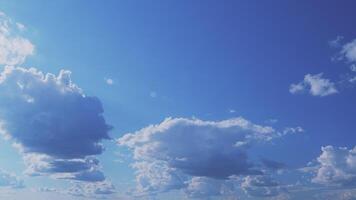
(337, 166)
(179, 152)
(54, 124)
(13, 47)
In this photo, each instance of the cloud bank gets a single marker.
(57, 128)
(193, 154)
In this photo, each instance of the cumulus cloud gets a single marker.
(57, 128)
(315, 84)
(336, 166)
(9, 180)
(261, 186)
(176, 152)
(13, 47)
(202, 187)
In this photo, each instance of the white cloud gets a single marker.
(92, 190)
(175, 153)
(297, 88)
(109, 81)
(316, 84)
(202, 188)
(56, 127)
(13, 48)
(349, 51)
(336, 166)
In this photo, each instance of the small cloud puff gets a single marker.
(54, 125)
(316, 84)
(109, 81)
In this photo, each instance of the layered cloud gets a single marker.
(316, 85)
(190, 154)
(57, 128)
(13, 47)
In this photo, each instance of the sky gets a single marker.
(174, 100)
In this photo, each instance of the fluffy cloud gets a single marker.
(9, 180)
(336, 166)
(348, 51)
(261, 186)
(316, 84)
(13, 48)
(179, 152)
(55, 125)
(202, 187)
(96, 190)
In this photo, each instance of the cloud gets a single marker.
(109, 81)
(348, 51)
(316, 84)
(9, 180)
(336, 167)
(56, 127)
(232, 111)
(261, 186)
(92, 190)
(336, 42)
(202, 187)
(170, 155)
(13, 47)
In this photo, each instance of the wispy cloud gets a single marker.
(14, 48)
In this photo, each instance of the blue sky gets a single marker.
(177, 100)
